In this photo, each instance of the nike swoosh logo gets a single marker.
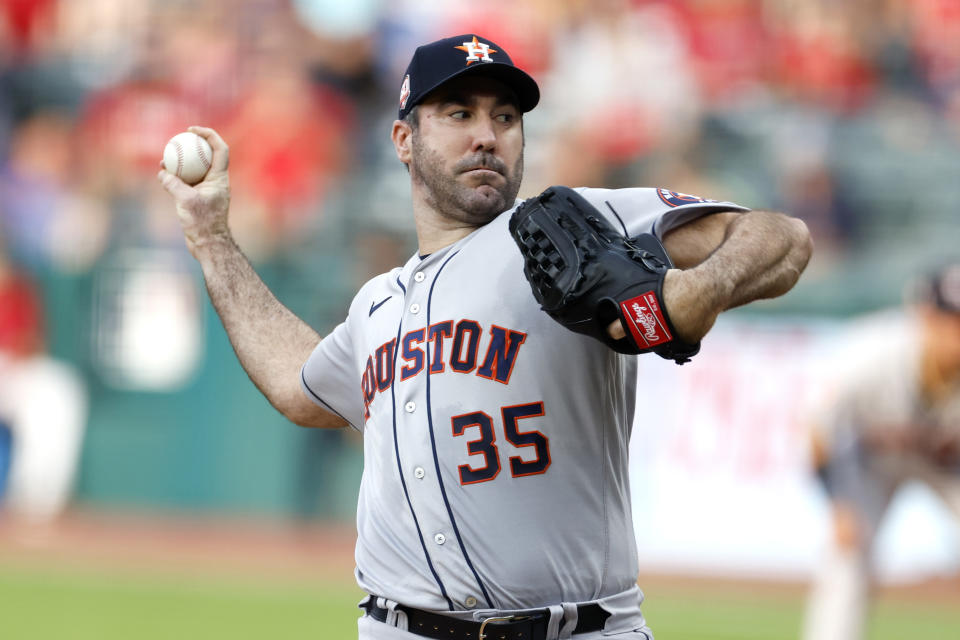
(377, 305)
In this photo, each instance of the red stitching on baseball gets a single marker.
(203, 156)
(179, 149)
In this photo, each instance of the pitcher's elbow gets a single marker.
(802, 245)
(807, 242)
(313, 417)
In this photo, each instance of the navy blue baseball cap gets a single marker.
(439, 62)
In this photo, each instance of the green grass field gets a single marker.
(72, 604)
(65, 605)
(745, 615)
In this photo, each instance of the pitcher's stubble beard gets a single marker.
(454, 200)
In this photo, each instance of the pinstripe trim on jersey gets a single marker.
(433, 444)
(396, 450)
(321, 401)
(626, 234)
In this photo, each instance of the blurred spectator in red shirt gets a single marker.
(289, 143)
(123, 131)
(23, 22)
(21, 314)
(821, 55)
(729, 46)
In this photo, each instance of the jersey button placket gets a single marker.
(425, 499)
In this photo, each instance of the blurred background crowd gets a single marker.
(846, 114)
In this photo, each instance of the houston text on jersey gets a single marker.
(463, 355)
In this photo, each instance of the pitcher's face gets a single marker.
(467, 151)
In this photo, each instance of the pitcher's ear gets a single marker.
(402, 137)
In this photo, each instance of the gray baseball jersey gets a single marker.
(495, 440)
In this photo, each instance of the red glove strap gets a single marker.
(644, 319)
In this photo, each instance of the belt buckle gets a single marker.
(483, 625)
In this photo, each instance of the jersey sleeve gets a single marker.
(328, 378)
(646, 210)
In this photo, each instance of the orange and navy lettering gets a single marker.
(385, 365)
(501, 354)
(460, 361)
(368, 384)
(502, 350)
(412, 354)
(486, 446)
(541, 461)
(435, 334)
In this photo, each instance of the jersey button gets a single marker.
(414, 308)
(439, 538)
(418, 473)
(410, 407)
(419, 276)
(470, 602)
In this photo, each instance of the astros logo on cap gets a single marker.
(477, 51)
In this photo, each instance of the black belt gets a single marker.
(529, 626)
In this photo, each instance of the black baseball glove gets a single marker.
(585, 274)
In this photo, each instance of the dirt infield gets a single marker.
(286, 550)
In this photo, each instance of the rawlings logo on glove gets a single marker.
(647, 316)
(585, 275)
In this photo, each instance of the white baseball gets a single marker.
(187, 156)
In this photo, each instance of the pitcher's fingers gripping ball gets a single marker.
(188, 156)
(586, 275)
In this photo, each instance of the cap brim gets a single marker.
(525, 87)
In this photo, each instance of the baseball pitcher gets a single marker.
(493, 375)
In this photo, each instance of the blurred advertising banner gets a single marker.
(720, 473)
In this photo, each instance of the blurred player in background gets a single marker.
(21, 335)
(43, 405)
(894, 416)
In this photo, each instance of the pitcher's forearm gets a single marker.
(734, 259)
(762, 256)
(270, 341)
